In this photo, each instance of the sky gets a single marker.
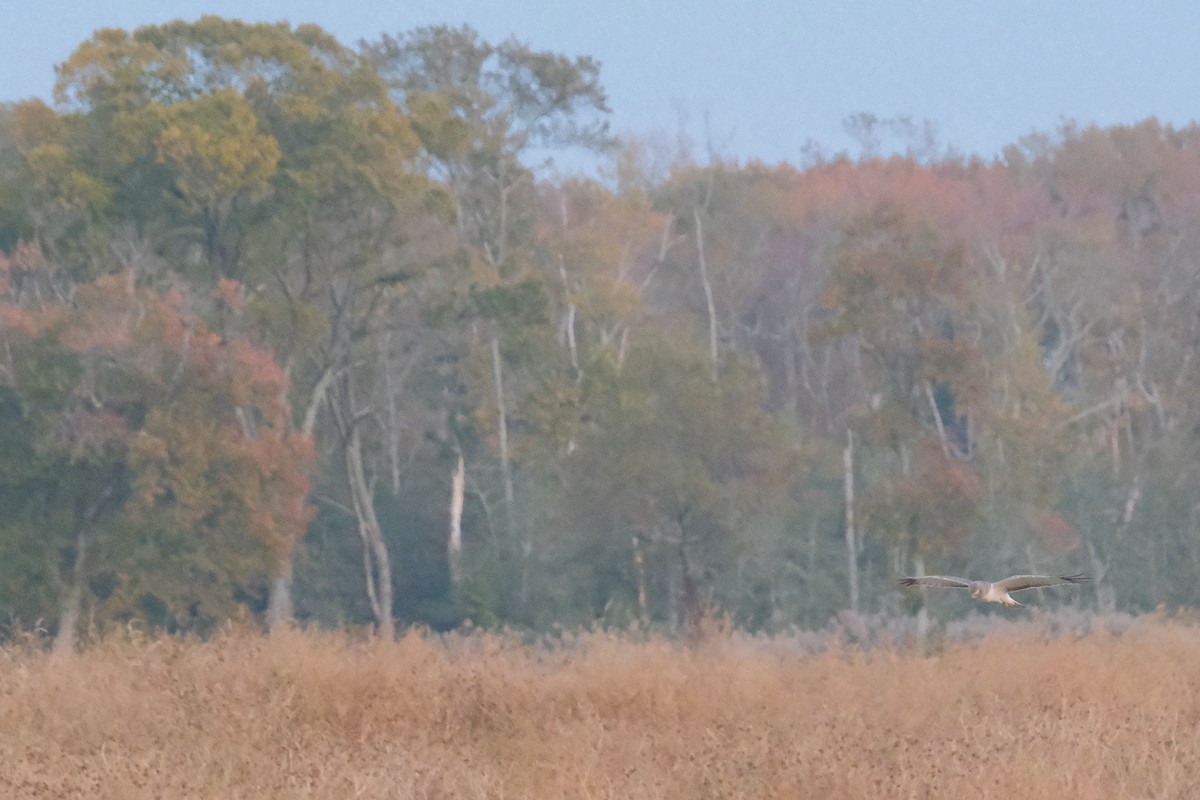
(758, 80)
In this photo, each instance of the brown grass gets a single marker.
(326, 716)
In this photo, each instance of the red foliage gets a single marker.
(229, 292)
(201, 421)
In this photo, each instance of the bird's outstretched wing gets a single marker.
(936, 580)
(1018, 582)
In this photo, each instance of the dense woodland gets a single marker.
(291, 329)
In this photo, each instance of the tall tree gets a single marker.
(265, 154)
(483, 112)
(164, 467)
(669, 475)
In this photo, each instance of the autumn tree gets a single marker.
(1112, 295)
(952, 392)
(273, 156)
(165, 480)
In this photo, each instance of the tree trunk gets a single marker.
(708, 292)
(569, 326)
(851, 544)
(315, 399)
(72, 605)
(279, 607)
(377, 565)
(458, 483)
(376, 555)
(937, 419)
(693, 604)
(393, 411)
(502, 432)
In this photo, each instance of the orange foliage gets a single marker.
(204, 420)
(104, 315)
(229, 292)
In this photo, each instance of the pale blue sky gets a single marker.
(769, 75)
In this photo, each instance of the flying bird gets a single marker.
(997, 592)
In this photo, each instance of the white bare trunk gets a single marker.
(458, 483)
(377, 568)
(375, 554)
(279, 608)
(393, 411)
(572, 347)
(569, 325)
(502, 432)
(851, 543)
(315, 399)
(708, 292)
(937, 419)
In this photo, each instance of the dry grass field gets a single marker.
(312, 715)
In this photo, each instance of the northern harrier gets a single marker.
(995, 592)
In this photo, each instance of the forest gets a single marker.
(298, 331)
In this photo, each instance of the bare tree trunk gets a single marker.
(937, 419)
(708, 292)
(569, 326)
(72, 605)
(315, 400)
(280, 608)
(851, 544)
(458, 484)
(502, 432)
(393, 411)
(376, 563)
(693, 605)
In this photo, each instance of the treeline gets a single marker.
(295, 329)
